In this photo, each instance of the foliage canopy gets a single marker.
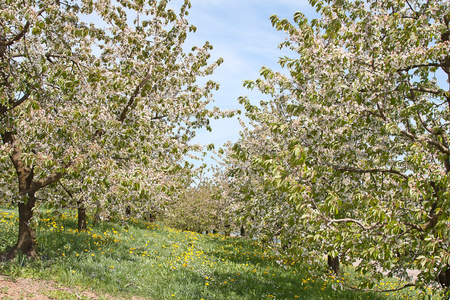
(106, 109)
(351, 156)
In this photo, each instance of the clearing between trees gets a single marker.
(151, 261)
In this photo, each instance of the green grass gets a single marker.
(64, 295)
(156, 262)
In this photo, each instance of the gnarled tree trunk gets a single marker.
(26, 241)
(27, 235)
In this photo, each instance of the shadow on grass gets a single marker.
(271, 278)
(229, 285)
(109, 258)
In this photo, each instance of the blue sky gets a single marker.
(242, 34)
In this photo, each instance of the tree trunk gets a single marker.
(444, 278)
(97, 213)
(227, 229)
(151, 217)
(243, 231)
(26, 241)
(333, 263)
(81, 218)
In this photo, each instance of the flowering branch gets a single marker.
(14, 104)
(419, 66)
(141, 84)
(357, 222)
(21, 34)
(379, 170)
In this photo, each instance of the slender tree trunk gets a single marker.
(81, 217)
(333, 263)
(151, 217)
(97, 213)
(81, 209)
(227, 229)
(243, 231)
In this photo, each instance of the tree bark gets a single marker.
(97, 213)
(26, 241)
(151, 217)
(444, 278)
(333, 263)
(243, 233)
(81, 217)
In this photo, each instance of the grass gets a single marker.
(65, 295)
(156, 262)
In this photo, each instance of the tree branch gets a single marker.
(438, 145)
(65, 189)
(443, 149)
(141, 84)
(14, 104)
(424, 90)
(6, 43)
(17, 37)
(8, 138)
(43, 182)
(412, 9)
(21, 100)
(159, 117)
(419, 66)
(354, 288)
(414, 226)
(26, 173)
(427, 128)
(356, 170)
(357, 222)
(433, 218)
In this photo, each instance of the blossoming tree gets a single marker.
(352, 152)
(100, 97)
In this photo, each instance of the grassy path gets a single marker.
(155, 262)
